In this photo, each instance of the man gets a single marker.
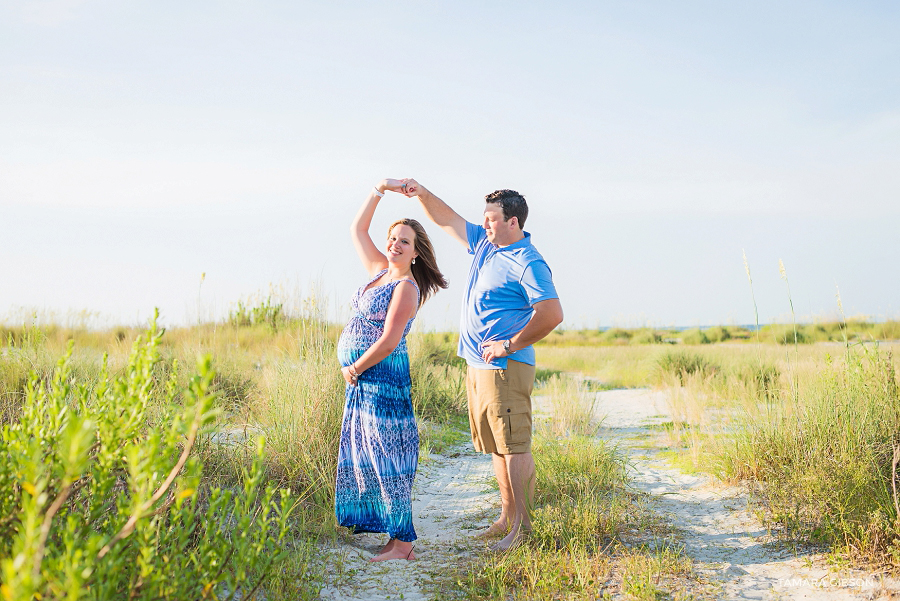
(510, 303)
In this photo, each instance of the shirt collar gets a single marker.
(526, 241)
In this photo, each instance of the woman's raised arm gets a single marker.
(372, 259)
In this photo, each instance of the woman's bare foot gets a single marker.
(398, 550)
(389, 546)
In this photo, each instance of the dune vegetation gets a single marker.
(199, 462)
(813, 427)
(133, 456)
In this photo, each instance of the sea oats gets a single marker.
(746, 266)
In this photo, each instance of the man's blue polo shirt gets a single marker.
(504, 284)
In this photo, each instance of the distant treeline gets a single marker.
(849, 331)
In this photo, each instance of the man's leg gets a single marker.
(521, 477)
(507, 503)
(481, 383)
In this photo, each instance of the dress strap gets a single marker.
(377, 275)
(418, 293)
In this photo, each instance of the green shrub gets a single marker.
(267, 312)
(827, 463)
(813, 333)
(99, 503)
(682, 364)
(543, 374)
(888, 330)
(784, 334)
(616, 336)
(718, 334)
(739, 333)
(694, 336)
(761, 377)
(646, 336)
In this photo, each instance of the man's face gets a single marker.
(499, 232)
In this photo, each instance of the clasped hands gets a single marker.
(408, 187)
(348, 376)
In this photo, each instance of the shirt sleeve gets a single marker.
(474, 234)
(537, 282)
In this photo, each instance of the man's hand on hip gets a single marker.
(493, 349)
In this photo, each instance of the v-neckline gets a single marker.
(369, 286)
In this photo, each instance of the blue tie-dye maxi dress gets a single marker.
(379, 448)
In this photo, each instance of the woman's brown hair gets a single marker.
(425, 270)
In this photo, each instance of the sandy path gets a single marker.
(451, 498)
(727, 542)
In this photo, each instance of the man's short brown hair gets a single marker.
(512, 203)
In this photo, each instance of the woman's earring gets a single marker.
(414, 261)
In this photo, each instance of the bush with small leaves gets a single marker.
(98, 502)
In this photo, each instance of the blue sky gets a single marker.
(142, 144)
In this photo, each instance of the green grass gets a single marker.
(813, 425)
(816, 431)
(620, 366)
(583, 513)
(824, 331)
(276, 377)
(572, 403)
(651, 574)
(438, 437)
(103, 492)
(581, 505)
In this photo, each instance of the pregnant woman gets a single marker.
(379, 447)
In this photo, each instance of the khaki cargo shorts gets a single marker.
(500, 408)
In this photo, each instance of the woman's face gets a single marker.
(401, 244)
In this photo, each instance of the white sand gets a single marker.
(725, 539)
(451, 501)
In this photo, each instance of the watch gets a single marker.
(506, 346)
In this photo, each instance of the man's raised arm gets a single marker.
(438, 211)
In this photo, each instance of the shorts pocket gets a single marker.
(516, 423)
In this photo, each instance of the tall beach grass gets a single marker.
(815, 430)
(276, 378)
